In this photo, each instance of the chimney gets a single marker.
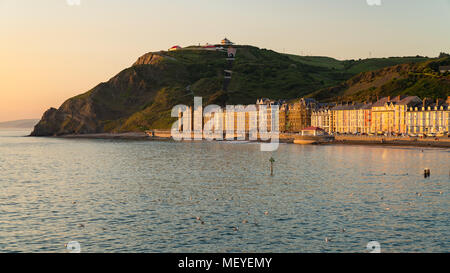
(448, 100)
(389, 98)
(398, 97)
(424, 102)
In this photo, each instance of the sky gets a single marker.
(51, 50)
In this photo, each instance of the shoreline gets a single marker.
(404, 143)
(346, 141)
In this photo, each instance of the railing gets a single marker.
(391, 138)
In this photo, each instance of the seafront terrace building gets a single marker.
(430, 117)
(323, 118)
(296, 116)
(402, 115)
(389, 115)
(351, 118)
(271, 106)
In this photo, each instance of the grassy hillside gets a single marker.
(142, 96)
(419, 79)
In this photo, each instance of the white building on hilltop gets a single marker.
(226, 42)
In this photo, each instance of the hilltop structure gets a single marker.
(174, 48)
(226, 42)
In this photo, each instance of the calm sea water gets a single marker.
(144, 196)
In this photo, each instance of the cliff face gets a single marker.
(153, 79)
(142, 96)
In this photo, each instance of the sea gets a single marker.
(119, 196)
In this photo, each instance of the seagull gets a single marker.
(327, 239)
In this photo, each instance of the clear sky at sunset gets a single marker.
(50, 50)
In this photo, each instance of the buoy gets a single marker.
(245, 222)
(271, 165)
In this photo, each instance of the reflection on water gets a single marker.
(131, 196)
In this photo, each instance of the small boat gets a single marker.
(312, 135)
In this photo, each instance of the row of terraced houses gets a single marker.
(397, 115)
